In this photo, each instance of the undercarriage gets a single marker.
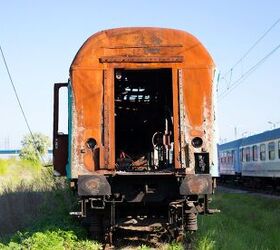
(151, 202)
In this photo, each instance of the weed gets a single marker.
(48, 240)
(206, 243)
(144, 247)
(175, 246)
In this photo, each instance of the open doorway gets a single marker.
(143, 119)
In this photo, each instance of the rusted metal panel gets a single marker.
(87, 120)
(144, 46)
(106, 115)
(196, 184)
(182, 124)
(199, 111)
(108, 118)
(141, 48)
(93, 185)
(176, 119)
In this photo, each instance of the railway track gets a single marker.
(153, 235)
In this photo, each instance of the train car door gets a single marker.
(144, 118)
(60, 139)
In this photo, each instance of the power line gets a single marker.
(19, 103)
(247, 73)
(252, 47)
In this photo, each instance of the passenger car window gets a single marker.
(242, 155)
(222, 158)
(232, 156)
(262, 152)
(247, 153)
(229, 157)
(255, 152)
(271, 150)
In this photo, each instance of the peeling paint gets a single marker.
(124, 48)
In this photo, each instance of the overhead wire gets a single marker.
(248, 72)
(253, 46)
(20, 105)
(230, 85)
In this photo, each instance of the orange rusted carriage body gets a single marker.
(173, 141)
(92, 80)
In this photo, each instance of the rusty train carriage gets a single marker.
(141, 128)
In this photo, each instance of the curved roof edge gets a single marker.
(142, 37)
(253, 139)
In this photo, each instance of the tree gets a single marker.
(34, 146)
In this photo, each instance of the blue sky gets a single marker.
(40, 39)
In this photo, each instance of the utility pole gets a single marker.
(235, 132)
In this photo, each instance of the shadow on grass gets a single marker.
(30, 209)
(143, 240)
(134, 238)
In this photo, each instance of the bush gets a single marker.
(34, 147)
(49, 240)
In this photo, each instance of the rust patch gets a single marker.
(196, 184)
(92, 184)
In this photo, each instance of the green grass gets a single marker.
(14, 172)
(245, 222)
(49, 240)
(34, 209)
(34, 214)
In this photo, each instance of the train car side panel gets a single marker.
(87, 119)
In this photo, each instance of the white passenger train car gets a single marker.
(253, 156)
(260, 155)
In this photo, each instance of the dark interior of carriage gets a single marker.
(143, 119)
